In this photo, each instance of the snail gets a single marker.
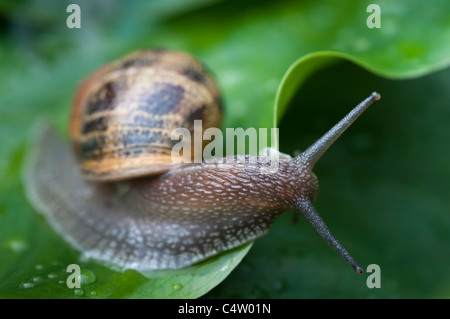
(117, 196)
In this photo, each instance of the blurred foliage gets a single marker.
(383, 185)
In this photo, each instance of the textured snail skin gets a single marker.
(169, 221)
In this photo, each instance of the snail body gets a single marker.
(180, 213)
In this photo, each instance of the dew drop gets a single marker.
(39, 267)
(51, 276)
(26, 285)
(87, 277)
(177, 287)
(37, 279)
(17, 245)
(78, 292)
(60, 282)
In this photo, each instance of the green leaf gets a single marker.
(383, 192)
(389, 190)
(301, 69)
(45, 277)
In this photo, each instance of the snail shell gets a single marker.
(124, 114)
(183, 213)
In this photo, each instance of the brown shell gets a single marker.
(124, 113)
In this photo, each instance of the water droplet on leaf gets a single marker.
(177, 287)
(78, 292)
(37, 279)
(17, 245)
(87, 277)
(26, 285)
